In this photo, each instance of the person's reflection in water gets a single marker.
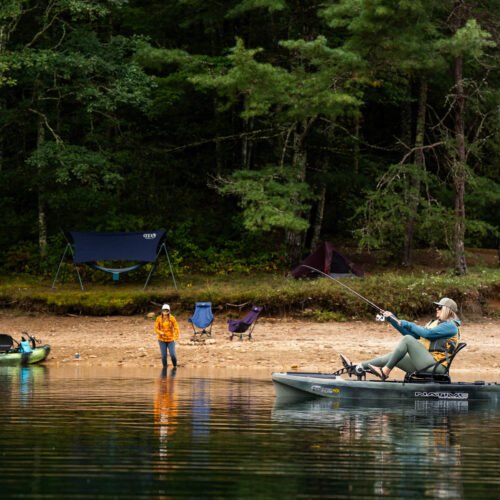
(29, 376)
(419, 439)
(24, 385)
(429, 444)
(446, 455)
(165, 410)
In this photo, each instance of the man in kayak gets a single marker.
(420, 347)
(168, 332)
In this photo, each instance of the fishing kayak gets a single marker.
(293, 386)
(14, 358)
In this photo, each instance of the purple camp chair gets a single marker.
(246, 325)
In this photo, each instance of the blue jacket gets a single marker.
(443, 330)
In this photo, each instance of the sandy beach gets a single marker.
(277, 344)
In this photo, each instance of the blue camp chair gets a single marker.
(245, 326)
(202, 319)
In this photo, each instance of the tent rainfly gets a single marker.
(329, 260)
(91, 247)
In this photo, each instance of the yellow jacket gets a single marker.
(167, 329)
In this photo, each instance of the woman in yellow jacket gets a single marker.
(168, 332)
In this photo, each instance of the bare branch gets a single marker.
(56, 137)
(47, 26)
(420, 148)
(224, 138)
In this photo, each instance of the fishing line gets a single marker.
(379, 309)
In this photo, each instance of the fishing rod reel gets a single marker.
(380, 317)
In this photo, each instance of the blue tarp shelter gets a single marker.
(140, 246)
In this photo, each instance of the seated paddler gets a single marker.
(420, 347)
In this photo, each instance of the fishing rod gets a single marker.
(380, 317)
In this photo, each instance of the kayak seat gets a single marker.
(244, 327)
(429, 374)
(202, 319)
(6, 342)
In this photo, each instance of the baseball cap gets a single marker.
(165, 307)
(448, 303)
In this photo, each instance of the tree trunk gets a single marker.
(247, 144)
(406, 124)
(293, 239)
(218, 144)
(320, 210)
(415, 181)
(458, 162)
(3, 46)
(356, 145)
(42, 217)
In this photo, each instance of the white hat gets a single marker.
(165, 307)
(448, 303)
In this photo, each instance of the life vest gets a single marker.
(441, 348)
(24, 346)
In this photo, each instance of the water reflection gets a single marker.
(121, 434)
(165, 410)
(20, 382)
(403, 440)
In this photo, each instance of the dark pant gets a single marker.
(165, 348)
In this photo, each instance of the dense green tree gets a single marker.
(65, 78)
(414, 42)
(121, 115)
(400, 55)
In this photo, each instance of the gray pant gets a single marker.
(410, 355)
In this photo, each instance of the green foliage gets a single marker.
(383, 216)
(61, 163)
(297, 93)
(249, 5)
(118, 115)
(268, 198)
(470, 41)
(23, 259)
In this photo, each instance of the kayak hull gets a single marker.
(38, 355)
(293, 386)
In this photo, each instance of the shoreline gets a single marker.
(277, 345)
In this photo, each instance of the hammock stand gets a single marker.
(115, 272)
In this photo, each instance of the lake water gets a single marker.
(97, 433)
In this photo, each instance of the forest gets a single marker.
(250, 129)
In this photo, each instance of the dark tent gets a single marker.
(328, 259)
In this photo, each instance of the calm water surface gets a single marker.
(103, 433)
